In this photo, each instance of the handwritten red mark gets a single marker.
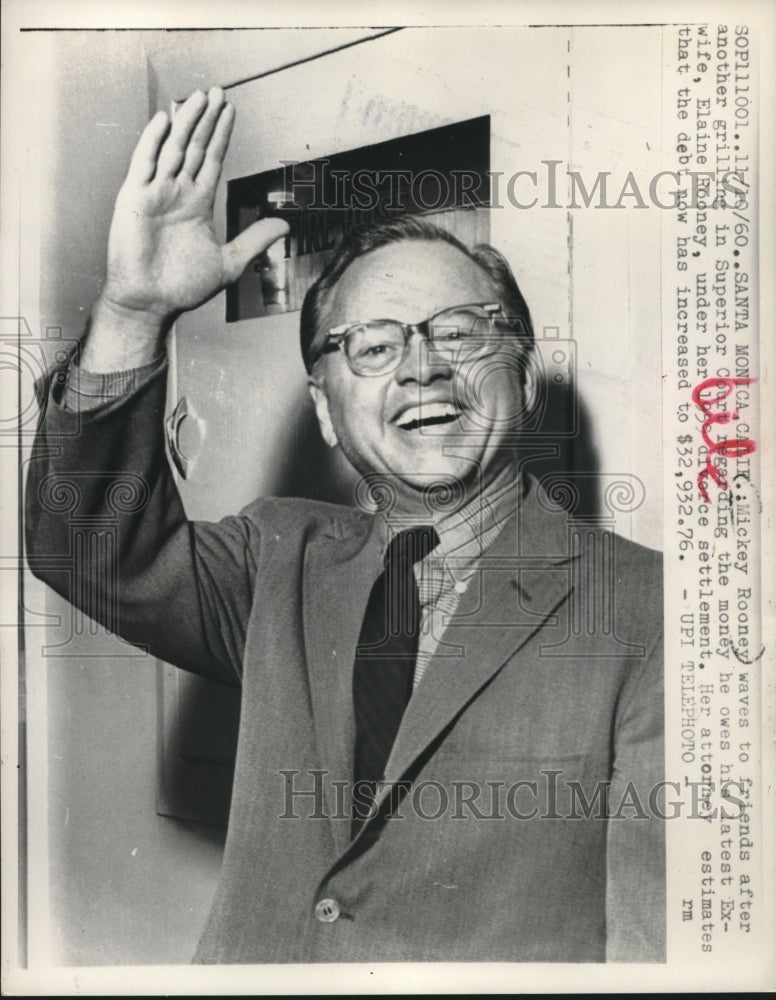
(732, 448)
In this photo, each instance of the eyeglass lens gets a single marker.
(378, 346)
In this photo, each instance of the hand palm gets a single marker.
(163, 253)
(162, 249)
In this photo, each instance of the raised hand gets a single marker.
(163, 254)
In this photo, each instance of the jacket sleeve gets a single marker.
(635, 895)
(105, 528)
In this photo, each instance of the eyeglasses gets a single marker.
(377, 346)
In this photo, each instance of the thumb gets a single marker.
(238, 253)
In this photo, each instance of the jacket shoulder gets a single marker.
(637, 576)
(634, 556)
(296, 515)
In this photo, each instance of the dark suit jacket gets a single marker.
(546, 693)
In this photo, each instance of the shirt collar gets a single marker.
(467, 532)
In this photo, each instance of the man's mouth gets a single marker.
(428, 415)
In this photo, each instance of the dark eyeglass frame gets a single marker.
(337, 336)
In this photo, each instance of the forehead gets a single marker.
(408, 281)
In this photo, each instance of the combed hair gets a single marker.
(366, 237)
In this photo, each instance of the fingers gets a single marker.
(142, 166)
(183, 124)
(213, 161)
(200, 138)
(243, 248)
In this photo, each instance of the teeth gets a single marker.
(415, 416)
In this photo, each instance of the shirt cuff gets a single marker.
(87, 390)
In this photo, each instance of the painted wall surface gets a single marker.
(124, 884)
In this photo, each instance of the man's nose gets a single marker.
(423, 361)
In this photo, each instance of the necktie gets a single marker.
(385, 662)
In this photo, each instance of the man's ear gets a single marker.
(322, 412)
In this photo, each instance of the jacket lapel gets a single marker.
(522, 580)
(341, 565)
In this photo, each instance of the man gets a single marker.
(435, 762)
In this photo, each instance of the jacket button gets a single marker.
(327, 910)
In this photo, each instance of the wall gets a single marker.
(125, 885)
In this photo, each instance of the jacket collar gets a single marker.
(341, 566)
(521, 580)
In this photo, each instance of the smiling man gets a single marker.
(451, 729)
(398, 397)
